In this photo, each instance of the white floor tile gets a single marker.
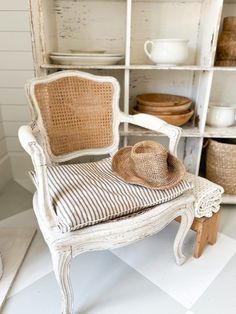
(15, 239)
(36, 265)
(153, 258)
(23, 219)
(37, 262)
(103, 284)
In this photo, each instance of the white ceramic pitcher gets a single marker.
(167, 51)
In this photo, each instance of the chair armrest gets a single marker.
(155, 124)
(32, 147)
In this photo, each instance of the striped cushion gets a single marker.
(90, 193)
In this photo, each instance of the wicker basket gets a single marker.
(221, 165)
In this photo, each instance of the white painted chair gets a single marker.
(49, 147)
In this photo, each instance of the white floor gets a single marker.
(137, 279)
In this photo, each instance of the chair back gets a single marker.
(76, 113)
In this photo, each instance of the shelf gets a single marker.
(134, 130)
(141, 67)
(224, 69)
(129, 67)
(229, 132)
(228, 199)
(73, 67)
(177, 67)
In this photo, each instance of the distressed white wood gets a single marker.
(115, 233)
(134, 130)
(61, 265)
(87, 25)
(223, 87)
(14, 243)
(208, 31)
(201, 95)
(229, 132)
(192, 154)
(198, 21)
(154, 19)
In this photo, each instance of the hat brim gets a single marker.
(123, 166)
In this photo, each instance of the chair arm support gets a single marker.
(31, 146)
(155, 124)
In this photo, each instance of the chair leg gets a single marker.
(185, 225)
(61, 265)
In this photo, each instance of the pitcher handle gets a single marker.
(146, 47)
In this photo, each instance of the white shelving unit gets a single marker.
(124, 26)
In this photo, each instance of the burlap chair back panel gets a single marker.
(76, 113)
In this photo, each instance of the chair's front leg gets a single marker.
(61, 265)
(187, 216)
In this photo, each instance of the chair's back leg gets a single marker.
(187, 216)
(61, 265)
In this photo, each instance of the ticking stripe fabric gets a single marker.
(90, 193)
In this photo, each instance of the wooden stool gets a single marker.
(206, 229)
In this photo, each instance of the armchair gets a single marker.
(76, 114)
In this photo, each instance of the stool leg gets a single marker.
(206, 233)
(201, 239)
(213, 228)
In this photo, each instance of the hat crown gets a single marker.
(148, 164)
(150, 160)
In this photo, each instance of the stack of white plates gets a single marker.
(86, 58)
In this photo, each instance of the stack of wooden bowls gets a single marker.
(226, 48)
(170, 108)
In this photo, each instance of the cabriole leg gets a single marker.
(61, 265)
(186, 221)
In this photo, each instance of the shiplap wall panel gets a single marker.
(16, 67)
(15, 41)
(15, 113)
(11, 60)
(14, 78)
(19, 5)
(3, 148)
(13, 96)
(13, 145)
(14, 21)
(1, 131)
(11, 127)
(5, 172)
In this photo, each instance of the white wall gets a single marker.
(16, 66)
(5, 167)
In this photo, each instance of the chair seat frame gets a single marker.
(111, 234)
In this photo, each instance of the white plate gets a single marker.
(86, 54)
(86, 60)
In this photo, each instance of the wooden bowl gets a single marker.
(174, 119)
(163, 110)
(162, 100)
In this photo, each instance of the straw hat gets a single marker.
(148, 164)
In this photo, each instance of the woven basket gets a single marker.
(221, 165)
